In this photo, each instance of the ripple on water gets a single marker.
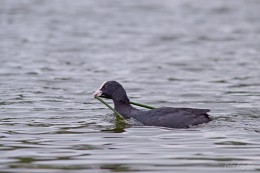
(55, 54)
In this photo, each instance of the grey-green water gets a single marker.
(184, 53)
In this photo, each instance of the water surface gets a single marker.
(54, 54)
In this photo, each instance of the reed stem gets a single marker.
(118, 115)
(142, 105)
(134, 103)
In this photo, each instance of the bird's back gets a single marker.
(173, 117)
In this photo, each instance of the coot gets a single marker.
(164, 116)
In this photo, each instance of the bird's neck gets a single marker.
(122, 105)
(124, 108)
(121, 100)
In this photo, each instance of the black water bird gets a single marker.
(164, 116)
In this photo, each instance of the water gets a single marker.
(54, 54)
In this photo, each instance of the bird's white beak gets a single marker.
(97, 93)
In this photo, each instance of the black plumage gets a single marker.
(165, 116)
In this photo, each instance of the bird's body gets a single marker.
(164, 116)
